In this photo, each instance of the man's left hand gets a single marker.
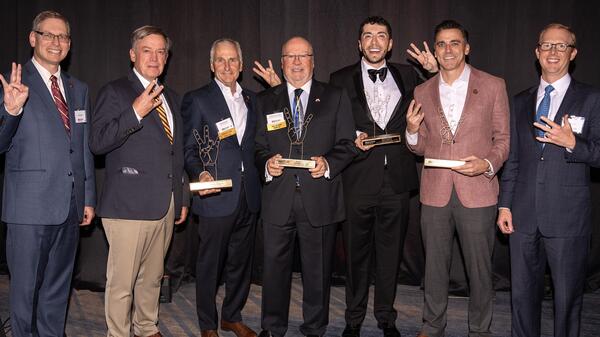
(184, 213)
(88, 215)
(319, 170)
(556, 134)
(474, 166)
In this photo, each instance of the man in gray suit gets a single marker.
(49, 186)
(138, 127)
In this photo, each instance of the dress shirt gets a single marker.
(556, 96)
(45, 74)
(237, 108)
(169, 114)
(382, 97)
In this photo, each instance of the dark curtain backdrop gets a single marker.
(503, 35)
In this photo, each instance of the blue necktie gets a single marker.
(298, 113)
(543, 109)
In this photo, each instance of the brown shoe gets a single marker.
(239, 329)
(209, 333)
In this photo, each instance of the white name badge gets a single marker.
(226, 128)
(80, 116)
(577, 123)
(275, 121)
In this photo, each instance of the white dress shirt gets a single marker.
(382, 97)
(237, 108)
(556, 96)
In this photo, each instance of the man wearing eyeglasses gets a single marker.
(303, 203)
(545, 187)
(49, 182)
(461, 114)
(378, 183)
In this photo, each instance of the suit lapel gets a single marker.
(434, 92)
(313, 105)
(531, 110)
(249, 116)
(220, 106)
(567, 103)
(360, 91)
(396, 75)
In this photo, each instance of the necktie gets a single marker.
(61, 105)
(382, 72)
(543, 109)
(162, 114)
(298, 113)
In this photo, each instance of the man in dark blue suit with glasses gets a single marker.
(545, 188)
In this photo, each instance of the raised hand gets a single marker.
(424, 57)
(267, 74)
(556, 134)
(148, 99)
(414, 117)
(15, 92)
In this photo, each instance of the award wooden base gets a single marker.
(207, 185)
(297, 163)
(388, 138)
(442, 163)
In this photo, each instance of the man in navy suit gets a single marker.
(223, 111)
(138, 127)
(49, 184)
(545, 188)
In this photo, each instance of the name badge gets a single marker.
(80, 116)
(226, 128)
(275, 121)
(577, 123)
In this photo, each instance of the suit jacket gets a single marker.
(365, 175)
(549, 189)
(205, 107)
(142, 168)
(330, 134)
(43, 164)
(483, 131)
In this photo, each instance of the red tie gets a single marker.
(61, 105)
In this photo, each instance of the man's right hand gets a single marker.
(505, 221)
(273, 167)
(204, 177)
(148, 99)
(414, 117)
(15, 92)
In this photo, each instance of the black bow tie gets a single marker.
(373, 74)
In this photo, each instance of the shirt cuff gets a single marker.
(327, 173)
(490, 172)
(18, 113)
(412, 138)
(268, 177)
(136, 115)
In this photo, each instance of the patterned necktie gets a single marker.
(61, 105)
(543, 109)
(298, 113)
(162, 114)
(373, 74)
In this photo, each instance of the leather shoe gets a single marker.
(351, 331)
(209, 333)
(239, 329)
(155, 335)
(391, 332)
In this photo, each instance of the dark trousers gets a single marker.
(316, 250)
(40, 260)
(224, 255)
(566, 257)
(475, 229)
(375, 226)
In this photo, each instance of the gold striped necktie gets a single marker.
(162, 114)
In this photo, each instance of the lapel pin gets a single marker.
(475, 91)
(317, 100)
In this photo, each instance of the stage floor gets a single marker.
(178, 319)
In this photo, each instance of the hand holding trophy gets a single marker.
(208, 150)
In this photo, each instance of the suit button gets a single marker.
(170, 176)
(70, 173)
(70, 150)
(541, 158)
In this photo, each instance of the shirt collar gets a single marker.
(462, 79)
(305, 88)
(142, 79)
(44, 72)
(560, 85)
(227, 91)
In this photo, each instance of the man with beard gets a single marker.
(378, 183)
(461, 114)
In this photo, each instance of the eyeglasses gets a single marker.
(545, 46)
(49, 37)
(300, 57)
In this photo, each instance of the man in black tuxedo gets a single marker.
(227, 217)
(378, 183)
(300, 202)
